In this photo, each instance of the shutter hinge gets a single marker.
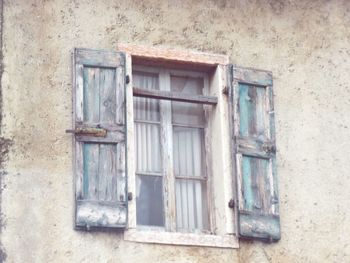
(231, 204)
(130, 196)
(225, 90)
(127, 79)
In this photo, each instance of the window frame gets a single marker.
(166, 125)
(224, 234)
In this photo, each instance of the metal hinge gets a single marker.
(127, 79)
(225, 90)
(231, 204)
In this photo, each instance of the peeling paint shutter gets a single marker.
(100, 166)
(254, 153)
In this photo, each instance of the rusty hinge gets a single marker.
(231, 204)
(269, 148)
(225, 90)
(96, 132)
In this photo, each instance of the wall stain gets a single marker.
(4, 143)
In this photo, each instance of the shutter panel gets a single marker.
(254, 153)
(100, 140)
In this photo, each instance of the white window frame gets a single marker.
(222, 218)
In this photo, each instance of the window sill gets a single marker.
(185, 239)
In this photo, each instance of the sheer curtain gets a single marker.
(188, 123)
(149, 180)
(189, 158)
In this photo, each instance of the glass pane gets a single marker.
(189, 157)
(149, 200)
(191, 195)
(252, 111)
(187, 113)
(147, 147)
(191, 205)
(256, 186)
(146, 109)
(149, 196)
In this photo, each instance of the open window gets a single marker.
(174, 147)
(171, 152)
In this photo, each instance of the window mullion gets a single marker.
(167, 154)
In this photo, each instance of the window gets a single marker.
(174, 129)
(165, 170)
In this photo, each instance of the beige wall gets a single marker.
(305, 43)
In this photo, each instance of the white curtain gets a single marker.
(149, 183)
(189, 157)
(191, 195)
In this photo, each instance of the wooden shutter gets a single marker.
(99, 132)
(254, 153)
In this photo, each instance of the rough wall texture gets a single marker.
(305, 43)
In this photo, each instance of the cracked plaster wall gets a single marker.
(305, 43)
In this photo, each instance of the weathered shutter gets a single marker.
(100, 161)
(254, 153)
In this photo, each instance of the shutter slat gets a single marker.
(98, 58)
(91, 173)
(252, 76)
(254, 147)
(254, 153)
(100, 166)
(98, 214)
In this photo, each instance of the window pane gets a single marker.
(147, 148)
(146, 109)
(187, 113)
(189, 158)
(149, 200)
(191, 205)
(191, 195)
(149, 196)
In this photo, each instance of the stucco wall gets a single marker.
(305, 43)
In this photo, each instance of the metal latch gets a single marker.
(96, 132)
(268, 148)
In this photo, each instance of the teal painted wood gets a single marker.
(91, 95)
(99, 58)
(100, 161)
(247, 184)
(108, 170)
(107, 106)
(260, 227)
(254, 154)
(252, 111)
(90, 172)
(253, 76)
(256, 184)
(244, 110)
